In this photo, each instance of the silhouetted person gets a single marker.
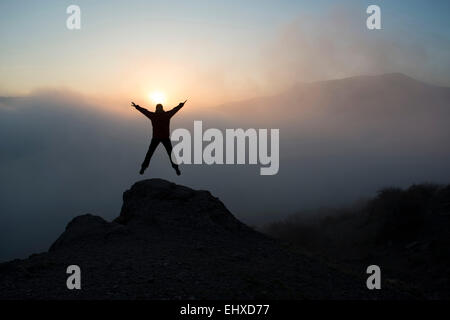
(161, 132)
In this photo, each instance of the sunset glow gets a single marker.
(157, 97)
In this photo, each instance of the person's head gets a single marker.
(159, 108)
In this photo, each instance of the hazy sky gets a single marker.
(214, 51)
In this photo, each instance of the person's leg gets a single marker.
(168, 145)
(148, 156)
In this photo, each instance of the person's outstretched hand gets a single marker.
(134, 105)
(182, 103)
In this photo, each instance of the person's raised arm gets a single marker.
(142, 110)
(175, 110)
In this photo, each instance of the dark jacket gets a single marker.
(160, 121)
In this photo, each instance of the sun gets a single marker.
(157, 97)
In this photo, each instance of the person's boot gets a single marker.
(142, 170)
(177, 170)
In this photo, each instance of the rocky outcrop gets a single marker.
(173, 242)
(160, 203)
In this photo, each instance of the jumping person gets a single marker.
(161, 132)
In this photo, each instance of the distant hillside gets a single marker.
(405, 232)
(344, 139)
(357, 98)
